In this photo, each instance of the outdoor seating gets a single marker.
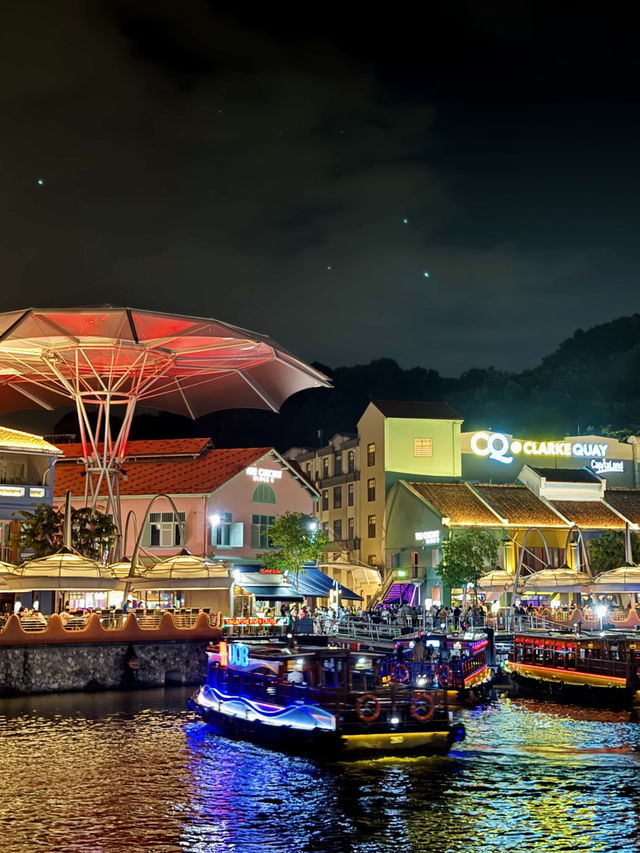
(28, 624)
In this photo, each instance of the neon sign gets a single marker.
(497, 446)
(236, 654)
(264, 475)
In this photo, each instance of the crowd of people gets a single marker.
(402, 614)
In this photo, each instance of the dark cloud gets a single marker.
(217, 164)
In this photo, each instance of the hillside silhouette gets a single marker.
(590, 383)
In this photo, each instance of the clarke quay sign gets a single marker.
(500, 448)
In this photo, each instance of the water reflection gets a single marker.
(116, 772)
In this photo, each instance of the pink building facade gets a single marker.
(226, 499)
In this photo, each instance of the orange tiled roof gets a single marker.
(457, 502)
(519, 505)
(15, 439)
(175, 475)
(151, 447)
(589, 514)
(626, 501)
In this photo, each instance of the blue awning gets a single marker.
(311, 581)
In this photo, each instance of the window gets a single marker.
(226, 534)
(325, 527)
(164, 529)
(350, 494)
(260, 526)
(337, 465)
(351, 528)
(423, 447)
(325, 499)
(371, 454)
(308, 470)
(337, 530)
(372, 560)
(371, 526)
(325, 467)
(371, 489)
(351, 462)
(337, 497)
(263, 494)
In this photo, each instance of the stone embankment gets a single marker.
(56, 660)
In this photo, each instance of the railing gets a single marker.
(113, 628)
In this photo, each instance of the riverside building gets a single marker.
(412, 477)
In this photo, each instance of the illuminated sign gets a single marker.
(235, 654)
(604, 466)
(264, 475)
(11, 491)
(270, 572)
(252, 620)
(496, 446)
(401, 573)
(428, 537)
(36, 493)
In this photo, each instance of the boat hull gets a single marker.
(581, 688)
(368, 742)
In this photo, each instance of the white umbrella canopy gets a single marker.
(187, 565)
(623, 579)
(122, 569)
(64, 570)
(557, 580)
(497, 579)
(185, 571)
(64, 563)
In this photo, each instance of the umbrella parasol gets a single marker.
(110, 357)
(562, 579)
(185, 571)
(64, 570)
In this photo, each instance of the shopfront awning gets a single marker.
(313, 582)
(272, 592)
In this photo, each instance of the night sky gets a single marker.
(450, 188)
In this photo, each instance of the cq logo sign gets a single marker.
(495, 445)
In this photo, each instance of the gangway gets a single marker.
(370, 635)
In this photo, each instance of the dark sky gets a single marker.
(257, 166)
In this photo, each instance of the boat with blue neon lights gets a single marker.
(330, 702)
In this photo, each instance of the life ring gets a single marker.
(422, 707)
(400, 672)
(367, 707)
(444, 675)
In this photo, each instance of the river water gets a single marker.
(136, 772)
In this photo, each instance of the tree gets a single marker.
(299, 542)
(93, 534)
(466, 557)
(607, 552)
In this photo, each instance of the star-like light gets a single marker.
(40, 182)
(425, 274)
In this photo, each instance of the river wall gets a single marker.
(55, 660)
(109, 666)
